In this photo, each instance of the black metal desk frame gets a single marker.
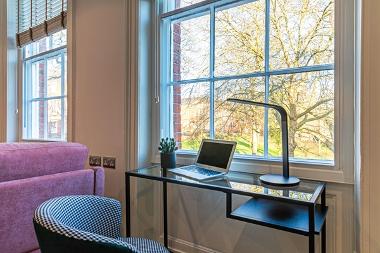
(316, 212)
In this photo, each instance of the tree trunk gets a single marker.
(292, 129)
(292, 139)
(254, 141)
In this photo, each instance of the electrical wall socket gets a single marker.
(95, 160)
(109, 162)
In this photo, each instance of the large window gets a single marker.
(276, 51)
(45, 89)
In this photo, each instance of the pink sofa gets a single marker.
(31, 173)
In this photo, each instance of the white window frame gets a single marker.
(342, 169)
(26, 93)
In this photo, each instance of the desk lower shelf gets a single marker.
(283, 216)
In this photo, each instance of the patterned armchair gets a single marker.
(84, 224)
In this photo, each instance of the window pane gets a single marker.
(46, 117)
(191, 48)
(44, 88)
(58, 39)
(54, 75)
(65, 119)
(241, 123)
(55, 40)
(184, 3)
(65, 74)
(191, 114)
(37, 120)
(176, 4)
(38, 79)
(239, 39)
(54, 119)
(302, 33)
(309, 101)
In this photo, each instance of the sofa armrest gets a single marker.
(19, 199)
(99, 180)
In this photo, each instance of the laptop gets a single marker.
(213, 160)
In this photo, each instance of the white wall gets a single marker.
(105, 105)
(370, 126)
(3, 69)
(8, 72)
(97, 82)
(12, 74)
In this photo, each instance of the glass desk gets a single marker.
(300, 209)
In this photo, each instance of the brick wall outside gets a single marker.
(177, 76)
(41, 89)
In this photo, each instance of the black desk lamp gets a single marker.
(275, 179)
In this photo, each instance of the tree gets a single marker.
(301, 34)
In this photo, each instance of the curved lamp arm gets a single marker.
(284, 129)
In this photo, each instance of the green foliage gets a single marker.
(167, 145)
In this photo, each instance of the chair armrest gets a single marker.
(87, 213)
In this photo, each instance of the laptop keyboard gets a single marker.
(204, 171)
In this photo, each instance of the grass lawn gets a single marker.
(243, 147)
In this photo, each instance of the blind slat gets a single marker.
(39, 18)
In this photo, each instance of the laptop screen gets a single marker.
(215, 154)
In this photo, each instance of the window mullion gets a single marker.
(63, 94)
(267, 69)
(212, 70)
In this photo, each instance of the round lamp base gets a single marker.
(279, 180)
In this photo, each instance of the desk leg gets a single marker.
(311, 229)
(128, 203)
(228, 204)
(165, 206)
(323, 239)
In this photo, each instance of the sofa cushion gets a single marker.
(25, 160)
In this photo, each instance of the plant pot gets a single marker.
(168, 160)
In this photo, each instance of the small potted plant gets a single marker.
(167, 148)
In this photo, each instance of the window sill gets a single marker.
(38, 140)
(325, 172)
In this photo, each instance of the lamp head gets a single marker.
(278, 108)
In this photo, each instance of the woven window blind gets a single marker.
(39, 18)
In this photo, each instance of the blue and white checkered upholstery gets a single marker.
(90, 218)
(144, 245)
